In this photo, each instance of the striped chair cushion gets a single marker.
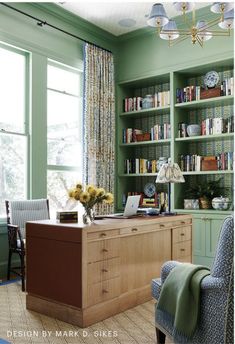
(30, 210)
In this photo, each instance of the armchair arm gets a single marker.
(213, 283)
(13, 234)
(166, 269)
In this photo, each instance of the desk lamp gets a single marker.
(169, 173)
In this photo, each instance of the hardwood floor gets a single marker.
(135, 325)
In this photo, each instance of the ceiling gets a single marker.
(118, 17)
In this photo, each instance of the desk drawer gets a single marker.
(144, 228)
(103, 234)
(104, 270)
(103, 249)
(181, 234)
(181, 249)
(103, 291)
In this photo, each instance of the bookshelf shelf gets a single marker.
(204, 103)
(192, 173)
(137, 175)
(147, 112)
(145, 143)
(206, 137)
(204, 212)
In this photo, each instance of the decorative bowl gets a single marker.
(194, 130)
(221, 203)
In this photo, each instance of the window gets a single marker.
(64, 133)
(13, 128)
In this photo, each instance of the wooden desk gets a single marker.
(82, 275)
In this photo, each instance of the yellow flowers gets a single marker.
(90, 195)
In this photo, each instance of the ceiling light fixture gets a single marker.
(199, 31)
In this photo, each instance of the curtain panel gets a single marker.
(99, 121)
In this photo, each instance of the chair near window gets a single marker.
(18, 213)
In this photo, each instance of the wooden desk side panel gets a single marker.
(54, 271)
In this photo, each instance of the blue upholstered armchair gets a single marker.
(215, 323)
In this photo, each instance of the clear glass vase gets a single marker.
(88, 216)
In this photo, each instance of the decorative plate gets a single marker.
(211, 79)
(149, 189)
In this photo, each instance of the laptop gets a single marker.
(130, 210)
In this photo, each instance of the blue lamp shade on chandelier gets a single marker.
(157, 17)
(172, 31)
(219, 7)
(183, 6)
(227, 23)
(202, 33)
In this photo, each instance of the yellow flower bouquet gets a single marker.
(89, 196)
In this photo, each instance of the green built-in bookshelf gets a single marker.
(174, 147)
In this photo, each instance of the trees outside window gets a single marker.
(64, 133)
(13, 125)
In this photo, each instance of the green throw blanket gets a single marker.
(178, 304)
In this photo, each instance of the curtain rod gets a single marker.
(42, 23)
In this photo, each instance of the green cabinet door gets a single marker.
(206, 230)
(213, 227)
(199, 247)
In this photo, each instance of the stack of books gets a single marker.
(194, 162)
(140, 166)
(160, 132)
(217, 125)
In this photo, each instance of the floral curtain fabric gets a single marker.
(99, 120)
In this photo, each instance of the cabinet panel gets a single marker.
(213, 227)
(199, 247)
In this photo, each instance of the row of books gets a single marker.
(158, 200)
(218, 125)
(159, 99)
(158, 132)
(140, 166)
(194, 162)
(190, 93)
(210, 126)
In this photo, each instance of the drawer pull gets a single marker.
(182, 222)
(162, 226)
(104, 291)
(182, 249)
(104, 270)
(103, 235)
(182, 234)
(105, 250)
(134, 229)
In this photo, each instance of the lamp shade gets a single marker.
(183, 6)
(170, 173)
(217, 7)
(169, 31)
(202, 33)
(227, 23)
(157, 17)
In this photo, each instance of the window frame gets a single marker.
(26, 132)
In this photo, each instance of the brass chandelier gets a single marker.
(199, 31)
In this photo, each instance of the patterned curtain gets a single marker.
(99, 120)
